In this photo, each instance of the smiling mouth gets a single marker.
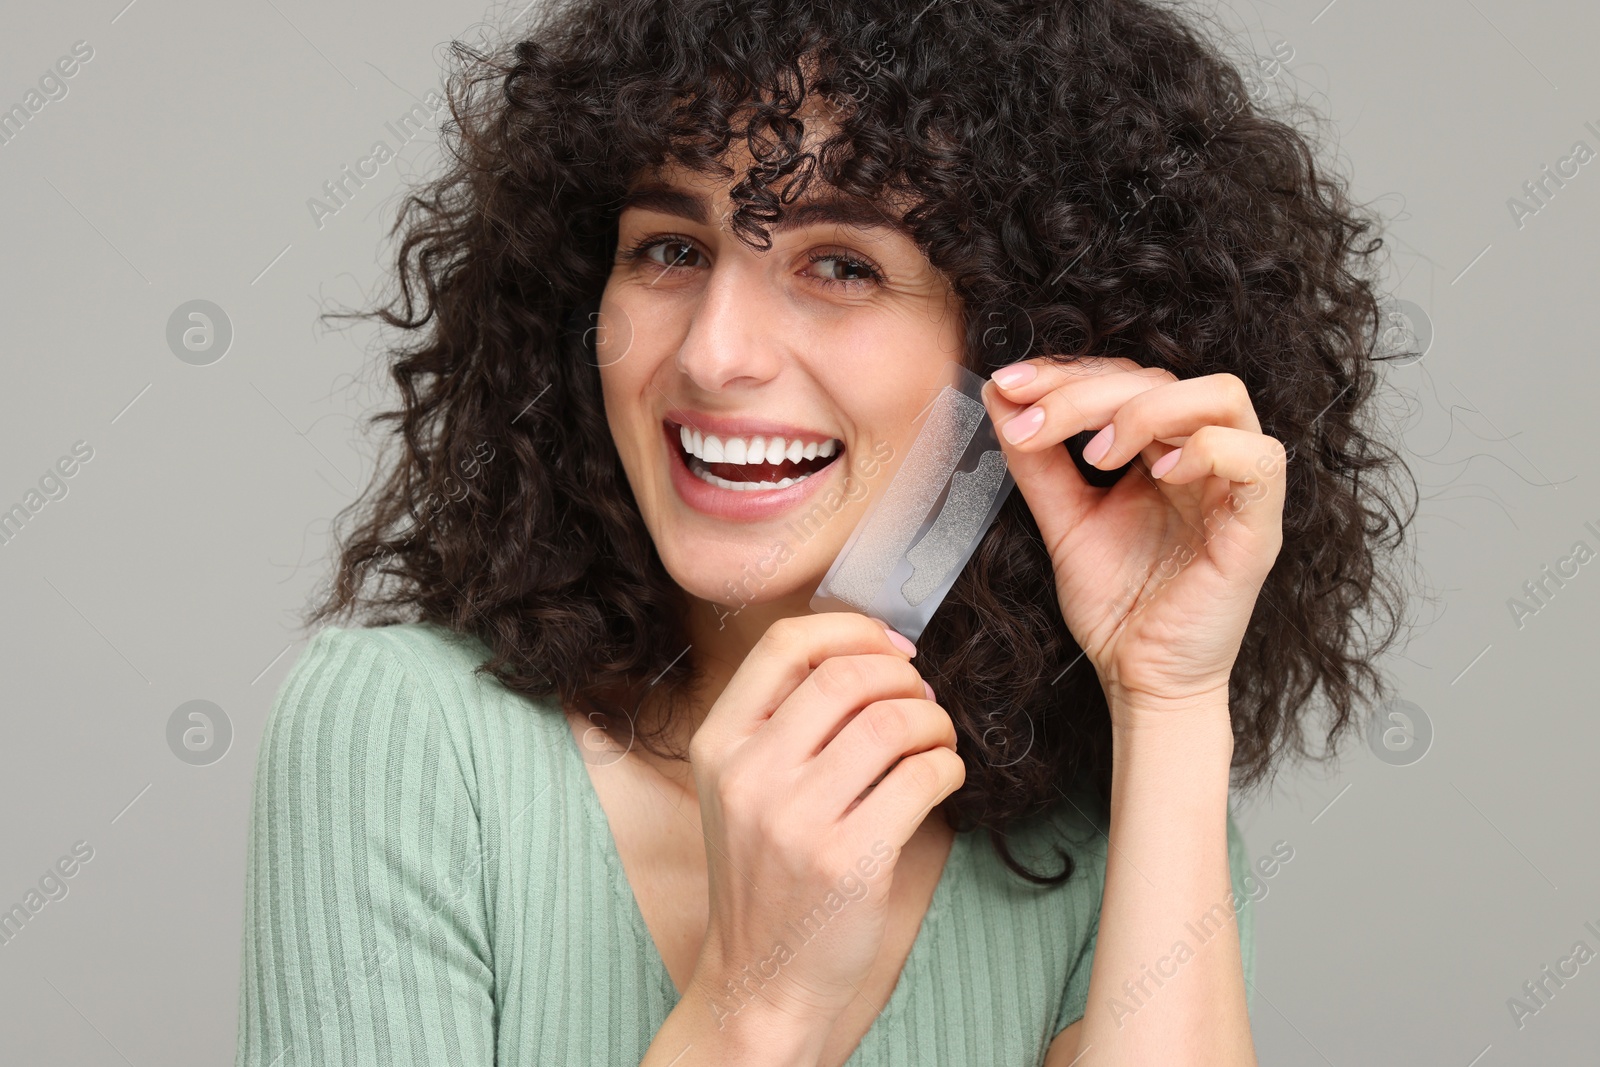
(795, 462)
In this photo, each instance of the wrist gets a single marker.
(746, 1028)
(1177, 762)
(1200, 725)
(1146, 710)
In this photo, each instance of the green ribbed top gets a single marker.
(431, 880)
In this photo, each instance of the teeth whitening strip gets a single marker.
(904, 556)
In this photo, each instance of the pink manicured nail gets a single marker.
(1099, 444)
(1161, 466)
(1024, 426)
(929, 688)
(1016, 374)
(901, 642)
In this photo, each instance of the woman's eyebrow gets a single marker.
(828, 208)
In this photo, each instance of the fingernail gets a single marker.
(929, 688)
(1099, 444)
(1016, 374)
(1165, 463)
(1024, 426)
(901, 642)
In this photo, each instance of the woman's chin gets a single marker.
(736, 578)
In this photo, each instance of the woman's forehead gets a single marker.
(674, 188)
(698, 200)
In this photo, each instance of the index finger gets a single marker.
(1026, 381)
(1071, 397)
(784, 657)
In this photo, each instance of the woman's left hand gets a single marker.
(1157, 576)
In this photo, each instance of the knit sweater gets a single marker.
(431, 880)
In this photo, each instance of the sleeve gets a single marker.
(1244, 888)
(1087, 903)
(1076, 993)
(365, 929)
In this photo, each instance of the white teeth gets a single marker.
(699, 470)
(759, 449)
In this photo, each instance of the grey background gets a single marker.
(178, 167)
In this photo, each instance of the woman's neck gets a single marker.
(719, 641)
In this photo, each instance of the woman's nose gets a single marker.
(737, 334)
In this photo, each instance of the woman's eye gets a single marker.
(834, 268)
(670, 253)
(847, 269)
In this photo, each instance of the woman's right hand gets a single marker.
(799, 861)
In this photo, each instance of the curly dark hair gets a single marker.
(1093, 174)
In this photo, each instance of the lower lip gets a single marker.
(738, 505)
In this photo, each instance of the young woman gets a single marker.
(593, 784)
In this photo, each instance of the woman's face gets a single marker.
(834, 340)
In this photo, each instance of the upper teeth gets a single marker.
(710, 449)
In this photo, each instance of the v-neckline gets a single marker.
(915, 959)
